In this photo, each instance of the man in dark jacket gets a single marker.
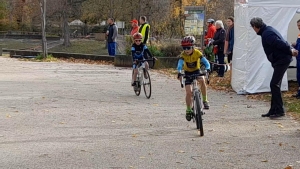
(279, 53)
(112, 33)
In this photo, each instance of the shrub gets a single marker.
(99, 29)
(155, 51)
(171, 50)
(49, 58)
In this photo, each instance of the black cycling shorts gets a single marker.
(189, 81)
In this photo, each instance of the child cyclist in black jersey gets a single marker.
(138, 51)
(190, 60)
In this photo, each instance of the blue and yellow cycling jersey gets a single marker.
(192, 62)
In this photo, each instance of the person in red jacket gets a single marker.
(135, 27)
(210, 31)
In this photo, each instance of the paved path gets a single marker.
(62, 115)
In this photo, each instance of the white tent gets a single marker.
(251, 71)
(76, 22)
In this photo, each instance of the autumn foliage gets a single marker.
(166, 17)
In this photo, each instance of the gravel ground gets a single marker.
(63, 115)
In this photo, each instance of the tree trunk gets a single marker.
(66, 29)
(44, 40)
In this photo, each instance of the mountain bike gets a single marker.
(143, 78)
(197, 103)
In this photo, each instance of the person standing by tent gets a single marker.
(297, 46)
(134, 27)
(279, 53)
(112, 34)
(229, 41)
(144, 29)
(218, 41)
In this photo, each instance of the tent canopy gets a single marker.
(76, 22)
(251, 71)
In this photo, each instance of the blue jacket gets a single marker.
(278, 50)
(231, 40)
(297, 47)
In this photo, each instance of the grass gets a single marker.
(79, 46)
(49, 58)
(19, 44)
(83, 46)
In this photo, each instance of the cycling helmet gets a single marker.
(210, 20)
(137, 36)
(188, 41)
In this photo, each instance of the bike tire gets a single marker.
(197, 107)
(137, 87)
(147, 82)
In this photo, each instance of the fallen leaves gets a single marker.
(86, 61)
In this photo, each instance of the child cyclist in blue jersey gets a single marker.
(189, 61)
(138, 51)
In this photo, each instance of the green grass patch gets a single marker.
(49, 58)
(19, 44)
(84, 47)
(293, 106)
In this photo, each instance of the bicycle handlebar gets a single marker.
(194, 76)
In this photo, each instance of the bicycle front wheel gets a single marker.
(147, 84)
(137, 87)
(198, 109)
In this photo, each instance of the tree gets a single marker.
(43, 17)
(64, 9)
(3, 9)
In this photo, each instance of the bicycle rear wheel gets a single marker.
(147, 84)
(137, 87)
(198, 112)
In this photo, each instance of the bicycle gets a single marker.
(141, 80)
(197, 103)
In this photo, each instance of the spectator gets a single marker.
(112, 34)
(218, 41)
(297, 46)
(144, 29)
(229, 41)
(279, 53)
(135, 27)
(211, 30)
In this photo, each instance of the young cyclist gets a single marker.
(138, 49)
(190, 59)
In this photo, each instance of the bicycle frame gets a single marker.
(140, 75)
(195, 86)
(141, 67)
(197, 105)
